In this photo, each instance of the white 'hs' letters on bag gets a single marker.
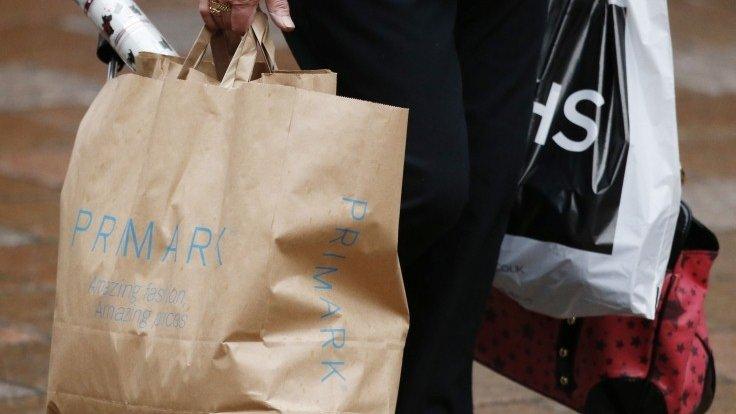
(592, 225)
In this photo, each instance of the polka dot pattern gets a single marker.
(671, 352)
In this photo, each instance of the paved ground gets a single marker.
(48, 74)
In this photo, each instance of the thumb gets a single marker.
(279, 10)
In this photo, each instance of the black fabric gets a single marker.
(625, 396)
(682, 231)
(700, 237)
(709, 382)
(466, 70)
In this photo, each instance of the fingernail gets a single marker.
(284, 22)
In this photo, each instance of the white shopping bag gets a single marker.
(593, 223)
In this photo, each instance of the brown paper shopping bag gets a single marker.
(229, 250)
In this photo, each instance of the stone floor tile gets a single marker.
(71, 53)
(26, 364)
(8, 391)
(31, 308)
(724, 351)
(703, 117)
(719, 303)
(46, 166)
(37, 217)
(522, 407)
(39, 128)
(702, 50)
(490, 387)
(12, 334)
(700, 68)
(12, 238)
(29, 130)
(25, 86)
(29, 208)
(713, 201)
(17, 191)
(63, 121)
(27, 289)
(17, 15)
(724, 403)
(28, 263)
(705, 158)
(26, 405)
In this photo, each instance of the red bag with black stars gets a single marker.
(616, 364)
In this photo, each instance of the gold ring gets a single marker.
(217, 8)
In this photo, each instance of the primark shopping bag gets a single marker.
(229, 249)
(593, 223)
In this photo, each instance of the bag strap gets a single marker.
(682, 231)
(244, 59)
(196, 53)
(568, 337)
(223, 46)
(243, 62)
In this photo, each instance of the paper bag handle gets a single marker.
(243, 60)
(196, 53)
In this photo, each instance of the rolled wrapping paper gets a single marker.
(127, 28)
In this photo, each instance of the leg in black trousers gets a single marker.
(465, 69)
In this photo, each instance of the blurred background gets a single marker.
(49, 74)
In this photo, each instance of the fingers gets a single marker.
(279, 10)
(204, 11)
(242, 14)
(222, 19)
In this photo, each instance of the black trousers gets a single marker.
(466, 70)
